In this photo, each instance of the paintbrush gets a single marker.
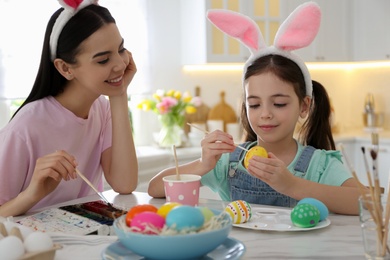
(176, 162)
(373, 208)
(207, 132)
(93, 187)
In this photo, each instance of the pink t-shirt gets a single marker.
(43, 127)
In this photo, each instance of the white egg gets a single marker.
(25, 231)
(11, 248)
(38, 241)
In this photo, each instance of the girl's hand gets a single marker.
(214, 145)
(130, 70)
(49, 171)
(272, 171)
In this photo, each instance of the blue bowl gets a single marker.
(175, 246)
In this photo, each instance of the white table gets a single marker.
(342, 239)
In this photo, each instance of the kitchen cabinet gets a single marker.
(202, 42)
(332, 42)
(371, 37)
(350, 30)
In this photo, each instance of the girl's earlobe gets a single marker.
(63, 69)
(305, 106)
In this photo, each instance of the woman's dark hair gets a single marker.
(316, 130)
(49, 82)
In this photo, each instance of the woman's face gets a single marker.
(101, 63)
(273, 108)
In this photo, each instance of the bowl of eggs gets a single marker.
(172, 231)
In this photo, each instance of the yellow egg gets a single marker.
(254, 151)
(239, 211)
(166, 208)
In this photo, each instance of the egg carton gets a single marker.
(42, 255)
(38, 255)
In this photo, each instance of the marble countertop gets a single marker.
(342, 239)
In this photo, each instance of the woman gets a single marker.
(66, 122)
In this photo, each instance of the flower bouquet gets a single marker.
(171, 107)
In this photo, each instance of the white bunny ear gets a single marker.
(300, 28)
(238, 26)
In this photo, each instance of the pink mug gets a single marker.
(184, 191)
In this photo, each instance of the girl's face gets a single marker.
(101, 63)
(273, 107)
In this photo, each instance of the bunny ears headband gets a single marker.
(71, 7)
(296, 32)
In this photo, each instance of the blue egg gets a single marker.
(185, 217)
(324, 212)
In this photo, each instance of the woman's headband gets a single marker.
(296, 32)
(71, 7)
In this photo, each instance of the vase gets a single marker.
(170, 133)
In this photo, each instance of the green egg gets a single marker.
(305, 215)
(207, 213)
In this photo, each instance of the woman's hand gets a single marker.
(272, 171)
(214, 145)
(130, 70)
(49, 171)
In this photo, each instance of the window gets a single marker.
(22, 28)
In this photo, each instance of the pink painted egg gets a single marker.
(148, 222)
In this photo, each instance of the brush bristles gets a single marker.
(374, 154)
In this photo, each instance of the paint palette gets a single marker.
(94, 217)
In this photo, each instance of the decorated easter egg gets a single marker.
(138, 209)
(185, 218)
(305, 215)
(324, 212)
(148, 221)
(207, 213)
(166, 208)
(240, 211)
(254, 151)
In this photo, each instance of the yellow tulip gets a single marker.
(177, 95)
(170, 93)
(190, 109)
(187, 97)
(157, 97)
(139, 105)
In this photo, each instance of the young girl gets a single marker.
(66, 122)
(278, 91)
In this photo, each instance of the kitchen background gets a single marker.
(176, 30)
(173, 44)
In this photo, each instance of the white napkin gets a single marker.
(81, 247)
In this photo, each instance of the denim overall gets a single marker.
(244, 186)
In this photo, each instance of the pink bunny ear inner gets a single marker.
(237, 26)
(73, 3)
(300, 28)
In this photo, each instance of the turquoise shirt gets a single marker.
(326, 167)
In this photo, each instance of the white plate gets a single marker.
(231, 249)
(275, 220)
